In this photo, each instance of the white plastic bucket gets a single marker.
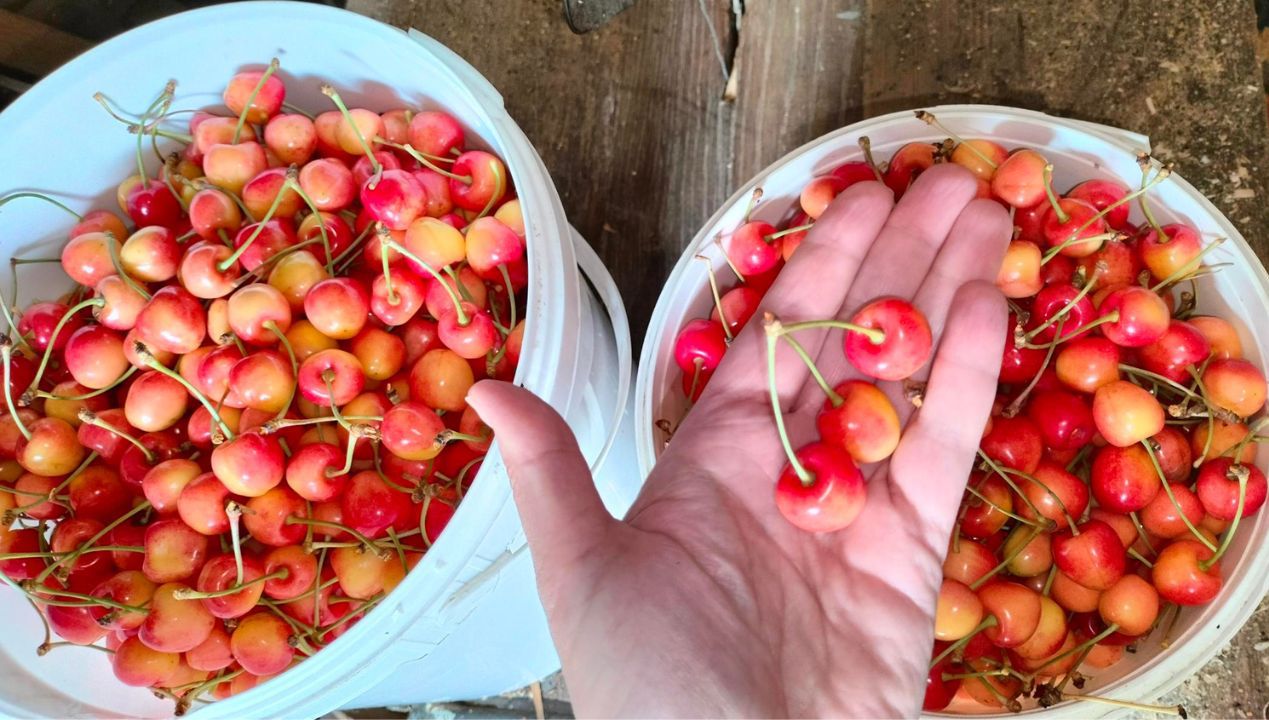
(1078, 151)
(467, 621)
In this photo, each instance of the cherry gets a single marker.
(338, 234)
(1064, 305)
(291, 137)
(173, 552)
(435, 133)
(394, 198)
(1123, 479)
(127, 587)
(94, 356)
(175, 625)
(1219, 438)
(1074, 228)
(1055, 493)
(261, 644)
(201, 273)
(257, 243)
(300, 572)
(700, 345)
(1015, 442)
(164, 482)
(1050, 634)
(1180, 346)
(51, 449)
(230, 167)
(1019, 274)
(154, 402)
(87, 257)
(137, 665)
(134, 462)
(1218, 488)
(1090, 554)
(487, 185)
(1221, 337)
(151, 254)
(1172, 252)
(1140, 316)
(328, 183)
(1087, 363)
(1166, 514)
(201, 504)
(1016, 609)
(331, 376)
(265, 517)
(212, 211)
(1071, 595)
(1064, 419)
(1235, 385)
(905, 344)
(860, 420)
(250, 464)
(256, 95)
(750, 251)
(363, 171)
(381, 354)
(823, 493)
(906, 164)
(412, 431)
(1126, 414)
(219, 575)
(97, 493)
(1116, 264)
(491, 244)
(152, 203)
(1180, 576)
(173, 321)
(1027, 553)
(370, 505)
(337, 307)
(1019, 180)
(1102, 194)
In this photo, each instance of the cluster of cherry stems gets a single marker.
(248, 420)
(1117, 463)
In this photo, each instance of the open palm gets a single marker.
(704, 601)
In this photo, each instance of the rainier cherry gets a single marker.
(902, 347)
(829, 497)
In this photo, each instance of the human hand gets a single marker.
(705, 601)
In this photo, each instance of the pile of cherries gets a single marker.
(1117, 464)
(247, 422)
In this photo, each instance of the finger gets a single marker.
(811, 287)
(929, 469)
(562, 513)
(974, 249)
(900, 259)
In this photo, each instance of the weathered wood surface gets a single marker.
(632, 121)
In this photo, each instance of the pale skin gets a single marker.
(704, 601)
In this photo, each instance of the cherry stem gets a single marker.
(11, 322)
(73, 555)
(1009, 481)
(788, 231)
(424, 160)
(365, 606)
(1062, 216)
(153, 363)
(385, 238)
(281, 573)
(57, 330)
(330, 92)
(39, 196)
(511, 296)
(1111, 317)
(295, 366)
(1089, 643)
(1048, 581)
(752, 205)
(268, 263)
(929, 119)
(1240, 474)
(1186, 270)
(448, 436)
(80, 600)
(1141, 532)
(349, 452)
(6, 356)
(500, 182)
(1140, 558)
(1178, 387)
(1016, 406)
(114, 245)
(233, 511)
(1004, 562)
(1143, 161)
(365, 541)
(987, 622)
(293, 184)
(865, 144)
(224, 265)
(1167, 488)
(718, 300)
(277, 424)
(1062, 313)
(1075, 239)
(1072, 238)
(1178, 710)
(875, 335)
(735, 270)
(774, 329)
(393, 299)
(74, 474)
(975, 492)
(242, 116)
(833, 396)
(348, 255)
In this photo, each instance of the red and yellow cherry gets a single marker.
(1141, 316)
(331, 376)
(212, 654)
(905, 344)
(94, 356)
(230, 166)
(1165, 517)
(1016, 608)
(829, 498)
(1221, 336)
(173, 321)
(155, 402)
(328, 183)
(487, 184)
(127, 587)
(1172, 253)
(1181, 576)
(1180, 347)
(987, 507)
(220, 574)
(163, 484)
(52, 449)
(313, 471)
(1050, 633)
(1029, 552)
(98, 493)
(1019, 274)
(261, 644)
(173, 552)
(1072, 310)
(337, 307)
(1131, 603)
(1094, 558)
(864, 423)
(291, 137)
(1220, 489)
(258, 313)
(137, 665)
(1064, 419)
(1126, 414)
(1235, 385)
(1102, 194)
(256, 95)
(250, 464)
(440, 379)
(1019, 181)
(906, 164)
(394, 198)
(1076, 228)
(266, 517)
(175, 625)
(412, 431)
(1123, 479)
(1014, 442)
(1219, 438)
(700, 345)
(300, 571)
(958, 611)
(980, 156)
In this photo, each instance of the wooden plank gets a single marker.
(1179, 71)
(33, 48)
(627, 118)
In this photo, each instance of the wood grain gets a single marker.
(33, 48)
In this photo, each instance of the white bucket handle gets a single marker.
(606, 290)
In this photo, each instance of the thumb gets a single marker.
(562, 513)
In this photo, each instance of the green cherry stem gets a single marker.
(1240, 474)
(113, 245)
(1062, 217)
(39, 196)
(153, 363)
(57, 330)
(186, 593)
(718, 299)
(330, 92)
(224, 265)
(987, 622)
(242, 116)
(6, 356)
(833, 396)
(424, 160)
(929, 119)
(385, 237)
(773, 330)
(875, 336)
(1167, 488)
(73, 555)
